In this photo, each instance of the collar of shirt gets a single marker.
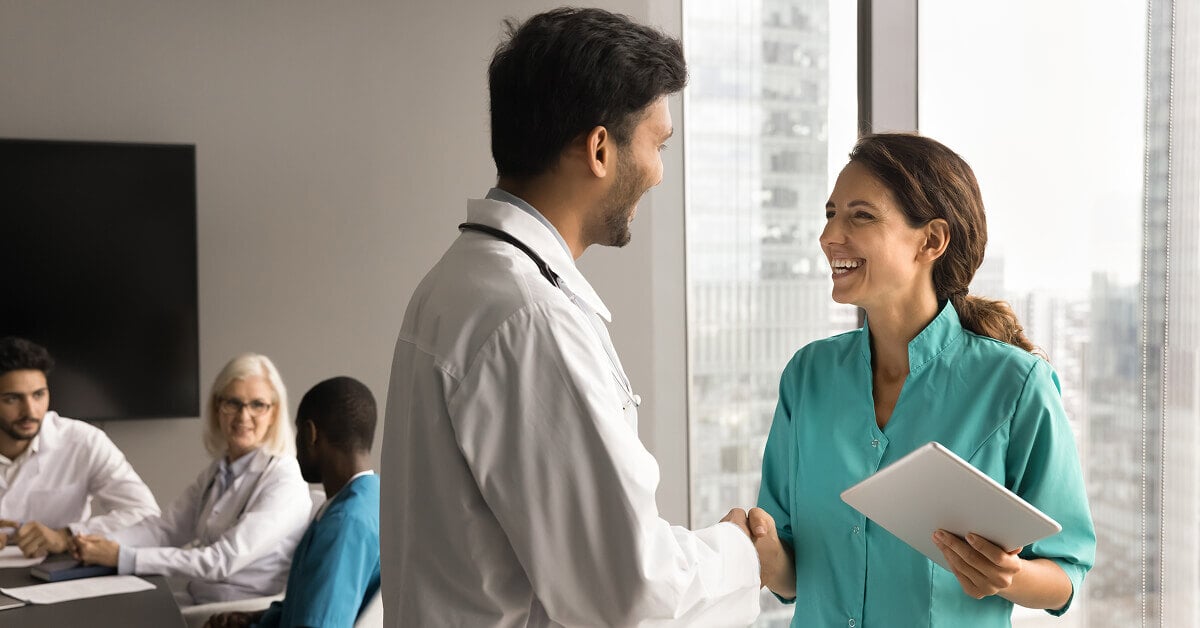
(239, 466)
(543, 239)
(324, 506)
(496, 194)
(943, 331)
(47, 436)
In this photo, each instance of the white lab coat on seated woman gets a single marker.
(230, 545)
(232, 532)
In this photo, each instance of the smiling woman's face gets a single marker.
(244, 432)
(871, 249)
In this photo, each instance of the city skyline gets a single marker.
(1067, 256)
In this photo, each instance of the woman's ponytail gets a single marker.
(994, 319)
(932, 182)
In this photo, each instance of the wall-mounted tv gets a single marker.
(99, 266)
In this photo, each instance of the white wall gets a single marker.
(336, 143)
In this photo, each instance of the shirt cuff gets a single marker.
(126, 559)
(1075, 573)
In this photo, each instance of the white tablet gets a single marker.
(932, 488)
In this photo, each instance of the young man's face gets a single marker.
(24, 399)
(639, 168)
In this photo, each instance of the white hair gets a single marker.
(280, 439)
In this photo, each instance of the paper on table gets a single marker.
(11, 556)
(54, 592)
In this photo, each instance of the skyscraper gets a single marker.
(1144, 470)
(757, 180)
(1174, 166)
(1112, 463)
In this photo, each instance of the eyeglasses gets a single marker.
(234, 407)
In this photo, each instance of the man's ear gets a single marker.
(308, 432)
(600, 151)
(937, 238)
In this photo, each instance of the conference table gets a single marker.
(155, 608)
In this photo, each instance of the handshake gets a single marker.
(776, 560)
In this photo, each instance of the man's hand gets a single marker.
(981, 567)
(777, 568)
(10, 530)
(94, 549)
(38, 539)
(737, 517)
(236, 619)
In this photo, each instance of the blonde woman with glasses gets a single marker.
(232, 532)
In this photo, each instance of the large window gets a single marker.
(770, 112)
(1083, 126)
(1073, 146)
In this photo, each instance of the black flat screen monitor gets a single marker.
(99, 264)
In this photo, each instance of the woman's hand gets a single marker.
(777, 567)
(737, 517)
(982, 568)
(94, 549)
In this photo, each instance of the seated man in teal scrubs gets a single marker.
(335, 571)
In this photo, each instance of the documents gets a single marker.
(54, 592)
(8, 602)
(11, 556)
(932, 488)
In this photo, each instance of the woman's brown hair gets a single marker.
(931, 181)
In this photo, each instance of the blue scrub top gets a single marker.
(993, 404)
(335, 570)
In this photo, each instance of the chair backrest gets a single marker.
(196, 616)
(372, 615)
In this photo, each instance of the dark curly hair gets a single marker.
(343, 409)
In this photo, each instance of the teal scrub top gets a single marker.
(993, 404)
(335, 570)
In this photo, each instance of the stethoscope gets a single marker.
(556, 281)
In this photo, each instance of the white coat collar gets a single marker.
(253, 462)
(259, 462)
(527, 229)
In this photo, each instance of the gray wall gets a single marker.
(336, 143)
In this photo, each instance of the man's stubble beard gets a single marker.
(611, 227)
(12, 433)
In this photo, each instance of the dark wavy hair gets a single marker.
(564, 72)
(19, 354)
(931, 181)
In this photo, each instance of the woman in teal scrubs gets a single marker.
(904, 234)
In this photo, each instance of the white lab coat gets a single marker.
(76, 470)
(235, 546)
(515, 489)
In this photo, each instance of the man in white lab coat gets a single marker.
(515, 489)
(55, 470)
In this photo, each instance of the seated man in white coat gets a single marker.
(55, 471)
(515, 489)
